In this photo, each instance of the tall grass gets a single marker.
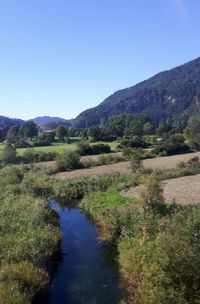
(29, 234)
(158, 248)
(79, 187)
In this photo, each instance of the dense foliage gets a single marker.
(85, 148)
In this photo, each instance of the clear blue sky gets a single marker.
(59, 57)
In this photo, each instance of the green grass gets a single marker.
(100, 203)
(54, 148)
(58, 147)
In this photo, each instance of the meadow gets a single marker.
(58, 147)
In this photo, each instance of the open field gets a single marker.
(123, 167)
(166, 162)
(59, 147)
(182, 190)
(84, 160)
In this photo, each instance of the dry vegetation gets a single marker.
(84, 160)
(181, 190)
(123, 168)
(166, 162)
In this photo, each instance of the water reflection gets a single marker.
(86, 273)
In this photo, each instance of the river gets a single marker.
(87, 272)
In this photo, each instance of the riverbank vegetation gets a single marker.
(29, 235)
(157, 243)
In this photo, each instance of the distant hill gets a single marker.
(168, 94)
(6, 122)
(45, 122)
(48, 122)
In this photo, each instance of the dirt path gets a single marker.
(182, 190)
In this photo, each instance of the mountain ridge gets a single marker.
(167, 94)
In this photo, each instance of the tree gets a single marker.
(48, 137)
(192, 131)
(13, 134)
(29, 130)
(148, 128)
(165, 126)
(94, 133)
(3, 134)
(62, 132)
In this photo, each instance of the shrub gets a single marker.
(8, 155)
(171, 149)
(68, 161)
(87, 149)
(11, 176)
(30, 156)
(151, 195)
(108, 159)
(41, 143)
(136, 159)
(22, 144)
(135, 142)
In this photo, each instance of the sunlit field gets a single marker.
(59, 147)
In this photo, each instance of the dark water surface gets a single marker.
(86, 272)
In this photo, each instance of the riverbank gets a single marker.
(157, 243)
(29, 234)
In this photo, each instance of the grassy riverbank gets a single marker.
(157, 243)
(29, 234)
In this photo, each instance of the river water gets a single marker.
(87, 272)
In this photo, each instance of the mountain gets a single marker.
(48, 122)
(47, 119)
(168, 94)
(6, 122)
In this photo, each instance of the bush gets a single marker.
(22, 144)
(135, 142)
(171, 149)
(136, 159)
(68, 161)
(151, 194)
(11, 176)
(41, 143)
(108, 159)
(9, 155)
(87, 149)
(30, 156)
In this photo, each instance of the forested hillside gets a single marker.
(171, 93)
(50, 122)
(6, 122)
